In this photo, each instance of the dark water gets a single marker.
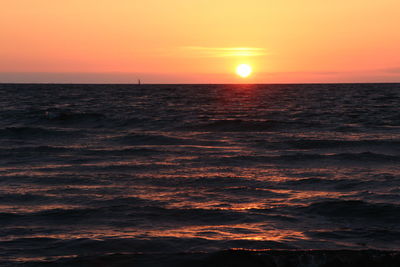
(99, 169)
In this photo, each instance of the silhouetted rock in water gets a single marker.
(239, 258)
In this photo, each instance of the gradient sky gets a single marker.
(199, 41)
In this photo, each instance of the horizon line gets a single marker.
(143, 84)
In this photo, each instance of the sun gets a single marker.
(243, 70)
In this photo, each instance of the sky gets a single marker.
(199, 41)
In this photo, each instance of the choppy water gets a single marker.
(97, 169)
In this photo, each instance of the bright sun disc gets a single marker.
(243, 70)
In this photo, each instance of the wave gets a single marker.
(46, 154)
(238, 125)
(334, 158)
(360, 157)
(149, 139)
(334, 184)
(92, 119)
(69, 117)
(246, 191)
(358, 235)
(131, 212)
(27, 132)
(140, 151)
(356, 209)
(315, 144)
(23, 199)
(34, 149)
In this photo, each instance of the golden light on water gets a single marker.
(244, 70)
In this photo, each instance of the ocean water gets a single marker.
(90, 170)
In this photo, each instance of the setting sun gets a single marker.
(243, 70)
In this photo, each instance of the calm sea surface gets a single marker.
(97, 169)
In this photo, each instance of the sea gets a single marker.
(160, 173)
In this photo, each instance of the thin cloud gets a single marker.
(392, 70)
(203, 51)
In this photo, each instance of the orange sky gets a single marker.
(199, 41)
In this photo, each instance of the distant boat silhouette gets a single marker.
(139, 82)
